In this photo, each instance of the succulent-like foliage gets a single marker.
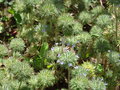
(90, 68)
(84, 37)
(103, 20)
(80, 71)
(3, 50)
(46, 78)
(97, 10)
(21, 70)
(102, 45)
(65, 20)
(11, 85)
(56, 33)
(77, 28)
(68, 57)
(114, 57)
(17, 44)
(71, 40)
(85, 17)
(33, 81)
(53, 53)
(79, 83)
(97, 84)
(96, 31)
(48, 9)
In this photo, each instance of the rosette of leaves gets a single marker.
(103, 20)
(3, 50)
(80, 71)
(65, 20)
(2, 75)
(97, 10)
(97, 84)
(90, 68)
(85, 17)
(77, 28)
(19, 5)
(102, 45)
(21, 70)
(67, 58)
(48, 9)
(89, 3)
(79, 83)
(72, 40)
(33, 82)
(12, 85)
(96, 31)
(52, 54)
(17, 44)
(46, 78)
(9, 61)
(114, 57)
(84, 37)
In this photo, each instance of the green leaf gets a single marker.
(1, 1)
(44, 49)
(18, 18)
(11, 11)
(49, 66)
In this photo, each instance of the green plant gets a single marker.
(97, 84)
(68, 57)
(80, 71)
(21, 70)
(17, 44)
(3, 50)
(46, 78)
(79, 83)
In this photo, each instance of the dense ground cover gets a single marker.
(59, 44)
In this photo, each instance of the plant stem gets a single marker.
(68, 78)
(42, 88)
(20, 85)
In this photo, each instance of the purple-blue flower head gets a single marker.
(58, 61)
(76, 67)
(73, 46)
(52, 48)
(58, 55)
(61, 63)
(70, 64)
(43, 30)
(68, 44)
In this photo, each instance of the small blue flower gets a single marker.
(76, 67)
(84, 74)
(52, 48)
(68, 44)
(70, 64)
(56, 44)
(73, 46)
(77, 56)
(58, 55)
(58, 61)
(109, 50)
(61, 63)
(43, 30)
